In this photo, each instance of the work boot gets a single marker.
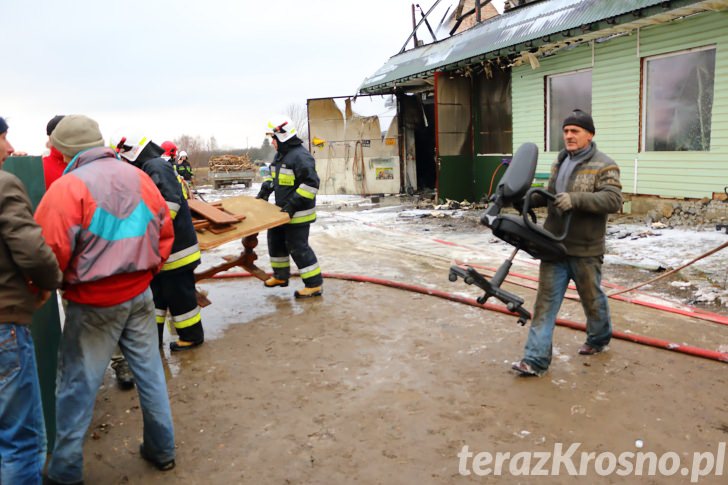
(162, 466)
(124, 377)
(181, 345)
(309, 292)
(587, 349)
(525, 369)
(272, 282)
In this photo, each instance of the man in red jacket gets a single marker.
(111, 232)
(53, 163)
(53, 167)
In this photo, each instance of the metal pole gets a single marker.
(414, 26)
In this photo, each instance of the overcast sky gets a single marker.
(167, 68)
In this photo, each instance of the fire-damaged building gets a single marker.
(649, 71)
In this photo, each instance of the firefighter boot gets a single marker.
(272, 282)
(309, 292)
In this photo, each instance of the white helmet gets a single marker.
(282, 128)
(130, 146)
(182, 154)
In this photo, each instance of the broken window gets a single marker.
(678, 100)
(565, 93)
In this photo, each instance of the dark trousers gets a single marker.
(175, 291)
(292, 240)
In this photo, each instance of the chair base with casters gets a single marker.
(522, 232)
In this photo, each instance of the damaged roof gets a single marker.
(531, 28)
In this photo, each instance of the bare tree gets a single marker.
(299, 115)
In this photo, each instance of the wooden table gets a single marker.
(259, 216)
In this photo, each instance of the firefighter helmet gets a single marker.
(130, 146)
(170, 149)
(282, 128)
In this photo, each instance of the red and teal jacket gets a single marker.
(108, 226)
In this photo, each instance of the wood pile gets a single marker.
(230, 163)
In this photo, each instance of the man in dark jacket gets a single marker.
(586, 184)
(28, 270)
(295, 183)
(174, 287)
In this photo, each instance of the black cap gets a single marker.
(52, 124)
(580, 118)
(3, 126)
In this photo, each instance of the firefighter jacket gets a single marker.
(184, 169)
(108, 226)
(185, 251)
(295, 182)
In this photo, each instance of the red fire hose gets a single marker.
(631, 337)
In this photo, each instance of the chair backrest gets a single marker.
(514, 189)
(519, 175)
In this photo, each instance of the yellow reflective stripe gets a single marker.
(286, 179)
(189, 321)
(306, 273)
(306, 218)
(280, 265)
(269, 178)
(160, 319)
(173, 214)
(182, 261)
(304, 193)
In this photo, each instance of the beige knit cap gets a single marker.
(75, 133)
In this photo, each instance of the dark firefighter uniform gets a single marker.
(295, 183)
(173, 288)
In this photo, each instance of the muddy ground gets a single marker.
(371, 384)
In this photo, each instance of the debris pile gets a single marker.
(230, 163)
(690, 213)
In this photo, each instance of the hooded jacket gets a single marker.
(108, 226)
(24, 255)
(185, 251)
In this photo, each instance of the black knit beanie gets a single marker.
(3, 126)
(52, 124)
(581, 119)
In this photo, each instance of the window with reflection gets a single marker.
(565, 93)
(678, 100)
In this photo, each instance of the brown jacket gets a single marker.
(595, 192)
(24, 255)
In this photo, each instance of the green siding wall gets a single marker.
(616, 106)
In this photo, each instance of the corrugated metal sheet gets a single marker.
(537, 21)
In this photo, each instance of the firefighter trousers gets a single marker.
(174, 291)
(292, 240)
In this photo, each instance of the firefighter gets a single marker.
(183, 167)
(170, 151)
(174, 287)
(295, 183)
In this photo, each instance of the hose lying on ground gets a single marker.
(631, 337)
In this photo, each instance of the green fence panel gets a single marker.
(46, 325)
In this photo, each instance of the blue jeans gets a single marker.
(90, 336)
(22, 429)
(553, 281)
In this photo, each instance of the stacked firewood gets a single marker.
(230, 163)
